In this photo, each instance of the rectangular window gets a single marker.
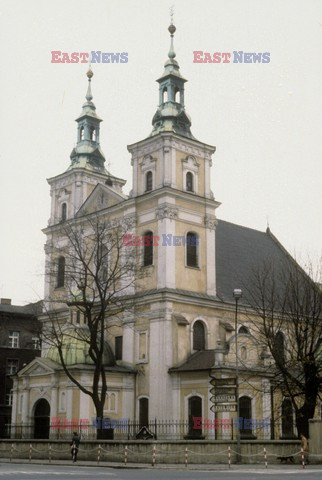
(12, 366)
(14, 339)
(118, 348)
(9, 398)
(36, 343)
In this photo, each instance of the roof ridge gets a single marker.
(242, 226)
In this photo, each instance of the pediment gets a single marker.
(103, 196)
(38, 366)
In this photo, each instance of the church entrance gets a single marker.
(42, 419)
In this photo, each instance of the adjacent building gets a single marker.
(19, 345)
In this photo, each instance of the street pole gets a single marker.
(237, 295)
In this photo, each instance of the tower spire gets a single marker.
(87, 152)
(171, 115)
(89, 95)
(172, 30)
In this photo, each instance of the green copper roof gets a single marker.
(87, 153)
(171, 115)
(75, 340)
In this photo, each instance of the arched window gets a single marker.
(81, 133)
(198, 336)
(164, 95)
(279, 349)
(287, 419)
(148, 181)
(144, 412)
(189, 182)
(245, 411)
(64, 212)
(61, 272)
(243, 329)
(192, 252)
(148, 249)
(93, 134)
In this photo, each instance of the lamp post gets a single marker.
(237, 295)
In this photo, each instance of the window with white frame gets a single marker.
(148, 181)
(63, 212)
(199, 336)
(190, 170)
(148, 171)
(189, 182)
(36, 343)
(60, 281)
(14, 339)
(9, 396)
(12, 366)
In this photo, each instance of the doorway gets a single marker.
(42, 419)
(194, 410)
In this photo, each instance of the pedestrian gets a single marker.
(74, 446)
(305, 446)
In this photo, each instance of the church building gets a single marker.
(161, 358)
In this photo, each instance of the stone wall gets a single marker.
(315, 441)
(200, 452)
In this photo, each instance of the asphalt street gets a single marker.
(64, 472)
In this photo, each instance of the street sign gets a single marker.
(223, 398)
(224, 408)
(223, 382)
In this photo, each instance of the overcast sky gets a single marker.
(264, 119)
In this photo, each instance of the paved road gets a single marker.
(65, 472)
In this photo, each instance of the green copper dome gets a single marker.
(75, 341)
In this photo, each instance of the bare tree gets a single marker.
(93, 274)
(288, 326)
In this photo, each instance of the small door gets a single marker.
(144, 412)
(245, 411)
(195, 410)
(287, 419)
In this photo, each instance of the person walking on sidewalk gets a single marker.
(305, 446)
(74, 446)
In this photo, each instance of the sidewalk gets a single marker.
(162, 466)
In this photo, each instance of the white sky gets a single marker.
(263, 118)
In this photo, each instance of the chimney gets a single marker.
(5, 301)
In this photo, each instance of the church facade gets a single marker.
(160, 359)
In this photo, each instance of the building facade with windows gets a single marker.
(19, 345)
(160, 358)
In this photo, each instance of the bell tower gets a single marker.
(70, 189)
(171, 185)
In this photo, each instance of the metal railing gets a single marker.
(132, 430)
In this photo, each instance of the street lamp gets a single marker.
(237, 295)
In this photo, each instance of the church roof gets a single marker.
(240, 251)
(202, 360)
